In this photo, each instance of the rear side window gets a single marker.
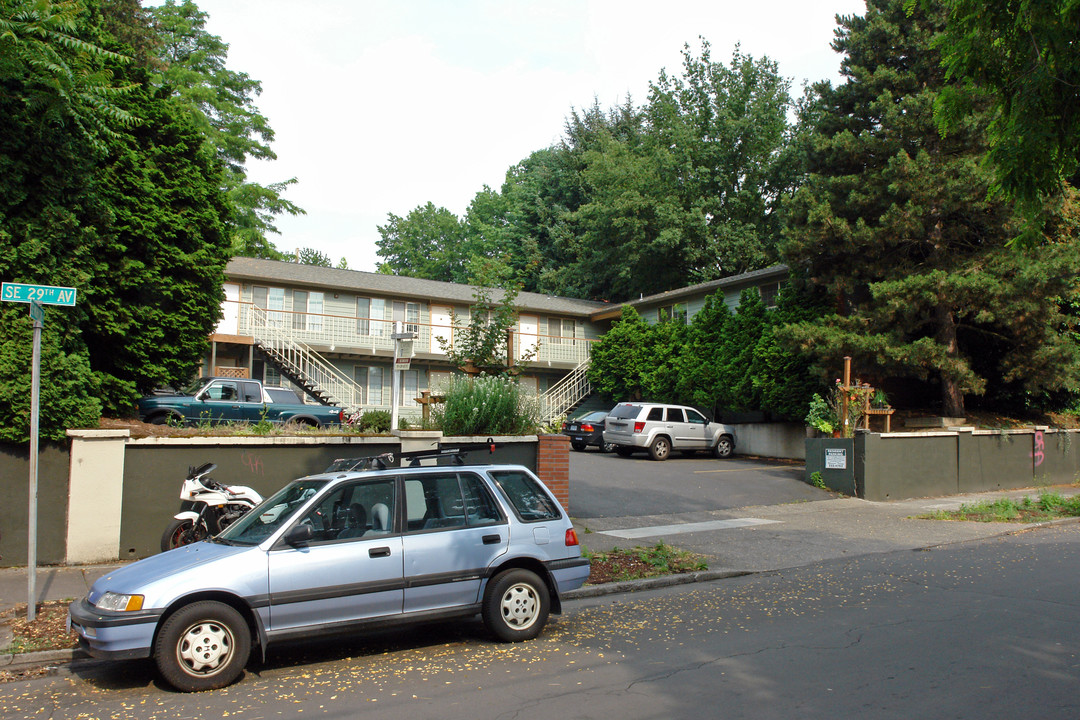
(656, 414)
(448, 500)
(675, 415)
(528, 498)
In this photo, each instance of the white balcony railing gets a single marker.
(367, 335)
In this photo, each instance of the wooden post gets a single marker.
(847, 388)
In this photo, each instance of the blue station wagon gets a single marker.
(336, 552)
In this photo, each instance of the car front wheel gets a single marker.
(724, 447)
(516, 605)
(660, 448)
(202, 646)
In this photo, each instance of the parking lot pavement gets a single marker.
(765, 538)
(604, 485)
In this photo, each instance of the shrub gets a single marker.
(486, 406)
(374, 421)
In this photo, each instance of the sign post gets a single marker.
(36, 296)
(403, 352)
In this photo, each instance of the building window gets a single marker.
(272, 300)
(672, 313)
(299, 306)
(561, 331)
(370, 316)
(769, 293)
(410, 388)
(370, 380)
(409, 314)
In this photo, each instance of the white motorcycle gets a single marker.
(207, 507)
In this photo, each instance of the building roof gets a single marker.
(753, 277)
(393, 286)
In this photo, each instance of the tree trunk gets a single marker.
(952, 399)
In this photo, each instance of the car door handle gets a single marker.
(492, 539)
(379, 552)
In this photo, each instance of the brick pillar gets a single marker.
(553, 466)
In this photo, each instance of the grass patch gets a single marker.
(641, 562)
(1048, 506)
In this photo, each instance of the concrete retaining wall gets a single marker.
(900, 466)
(105, 496)
(776, 440)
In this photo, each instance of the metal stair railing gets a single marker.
(301, 364)
(566, 393)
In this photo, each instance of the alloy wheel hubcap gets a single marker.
(519, 606)
(204, 648)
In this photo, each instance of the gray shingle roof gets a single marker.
(392, 286)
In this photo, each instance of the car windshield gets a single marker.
(196, 386)
(265, 519)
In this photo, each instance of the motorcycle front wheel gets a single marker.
(182, 532)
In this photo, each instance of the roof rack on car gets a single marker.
(456, 454)
(368, 462)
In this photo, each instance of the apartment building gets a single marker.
(328, 331)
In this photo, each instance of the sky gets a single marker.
(380, 107)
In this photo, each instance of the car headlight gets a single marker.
(116, 601)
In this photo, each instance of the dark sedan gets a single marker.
(587, 430)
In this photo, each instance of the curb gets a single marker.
(42, 658)
(625, 586)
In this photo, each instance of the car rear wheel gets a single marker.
(724, 447)
(202, 646)
(579, 446)
(607, 447)
(660, 448)
(516, 605)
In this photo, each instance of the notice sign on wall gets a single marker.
(836, 458)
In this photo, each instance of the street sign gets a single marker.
(36, 296)
(44, 294)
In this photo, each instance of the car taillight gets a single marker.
(565, 426)
(341, 417)
(571, 537)
(586, 428)
(639, 427)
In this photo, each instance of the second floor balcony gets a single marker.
(371, 336)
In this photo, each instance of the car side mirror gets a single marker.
(299, 534)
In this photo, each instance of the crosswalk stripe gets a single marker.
(682, 528)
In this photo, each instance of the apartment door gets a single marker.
(442, 321)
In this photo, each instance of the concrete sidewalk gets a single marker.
(736, 542)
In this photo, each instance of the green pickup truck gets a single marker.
(222, 400)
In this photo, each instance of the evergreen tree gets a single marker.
(895, 225)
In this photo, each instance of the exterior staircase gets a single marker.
(302, 365)
(566, 394)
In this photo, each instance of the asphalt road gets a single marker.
(980, 630)
(606, 485)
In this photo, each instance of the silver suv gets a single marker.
(339, 551)
(663, 428)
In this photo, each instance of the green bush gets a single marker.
(486, 406)
(374, 421)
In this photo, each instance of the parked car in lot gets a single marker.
(658, 428)
(341, 551)
(587, 430)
